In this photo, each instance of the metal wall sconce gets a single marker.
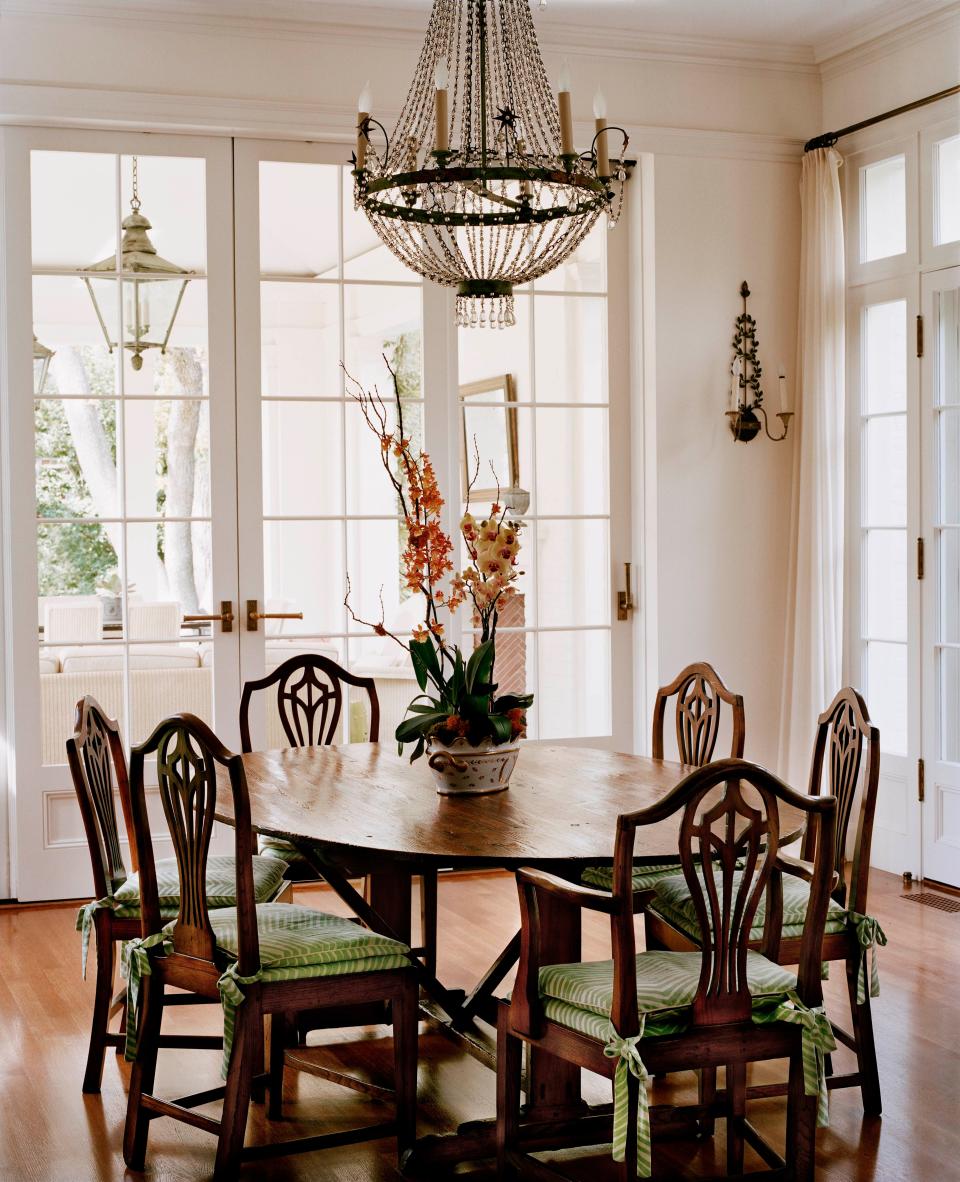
(41, 363)
(746, 396)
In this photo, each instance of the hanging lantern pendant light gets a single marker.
(481, 187)
(150, 287)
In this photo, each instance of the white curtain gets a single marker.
(814, 642)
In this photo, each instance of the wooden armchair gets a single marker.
(258, 959)
(847, 749)
(98, 765)
(724, 1004)
(310, 701)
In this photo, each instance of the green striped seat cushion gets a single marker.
(276, 847)
(673, 902)
(221, 885)
(644, 877)
(295, 937)
(666, 984)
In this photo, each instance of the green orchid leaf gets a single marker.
(479, 666)
(500, 725)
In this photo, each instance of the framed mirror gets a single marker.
(488, 414)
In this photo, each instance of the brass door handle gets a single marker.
(253, 615)
(625, 604)
(225, 617)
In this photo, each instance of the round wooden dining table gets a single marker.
(362, 808)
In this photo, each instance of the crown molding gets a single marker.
(845, 54)
(50, 105)
(294, 20)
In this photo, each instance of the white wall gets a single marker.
(724, 507)
(724, 130)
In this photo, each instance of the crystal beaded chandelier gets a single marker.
(480, 187)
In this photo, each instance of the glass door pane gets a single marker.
(883, 518)
(548, 451)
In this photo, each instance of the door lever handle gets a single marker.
(225, 617)
(625, 604)
(253, 615)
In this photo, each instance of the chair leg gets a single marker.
(627, 1169)
(142, 1076)
(103, 998)
(258, 1091)
(801, 1125)
(405, 1011)
(428, 919)
(236, 1101)
(707, 1094)
(509, 1065)
(866, 1046)
(736, 1074)
(278, 1044)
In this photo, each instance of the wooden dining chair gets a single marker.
(310, 700)
(98, 768)
(845, 764)
(701, 695)
(258, 959)
(658, 1012)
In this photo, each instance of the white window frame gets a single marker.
(867, 272)
(932, 254)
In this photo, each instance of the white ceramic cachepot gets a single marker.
(462, 770)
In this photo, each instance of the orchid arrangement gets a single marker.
(459, 697)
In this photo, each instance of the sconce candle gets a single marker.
(782, 382)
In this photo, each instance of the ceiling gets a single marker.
(797, 30)
(795, 23)
(791, 22)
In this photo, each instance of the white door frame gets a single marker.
(940, 846)
(51, 860)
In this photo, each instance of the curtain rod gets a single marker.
(828, 139)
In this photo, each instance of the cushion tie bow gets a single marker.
(816, 1040)
(134, 966)
(232, 997)
(625, 1051)
(869, 935)
(85, 920)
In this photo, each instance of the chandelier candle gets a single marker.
(440, 77)
(566, 117)
(479, 186)
(364, 104)
(600, 117)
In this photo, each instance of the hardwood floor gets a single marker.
(49, 1131)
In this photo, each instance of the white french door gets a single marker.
(940, 411)
(903, 243)
(315, 285)
(233, 471)
(120, 495)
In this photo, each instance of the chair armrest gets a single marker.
(581, 896)
(801, 869)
